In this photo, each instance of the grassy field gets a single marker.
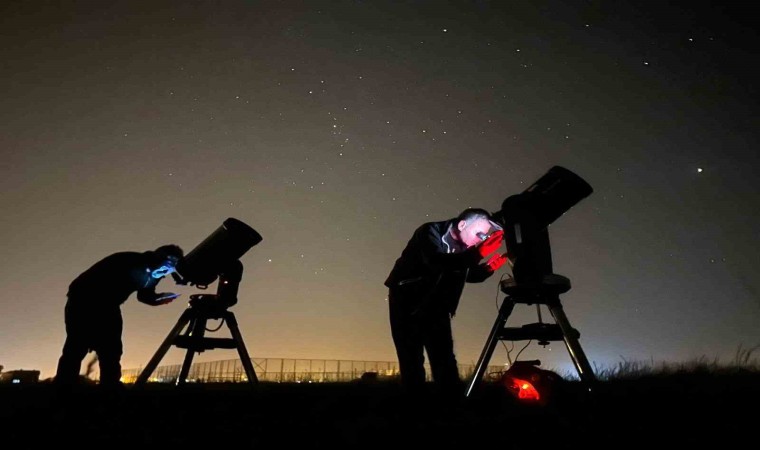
(635, 406)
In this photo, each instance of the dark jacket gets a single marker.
(434, 267)
(111, 281)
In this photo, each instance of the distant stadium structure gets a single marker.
(285, 370)
(19, 376)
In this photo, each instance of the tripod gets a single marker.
(544, 293)
(202, 308)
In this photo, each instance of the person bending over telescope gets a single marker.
(424, 288)
(93, 308)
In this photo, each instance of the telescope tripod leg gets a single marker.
(504, 311)
(571, 342)
(242, 351)
(196, 330)
(164, 347)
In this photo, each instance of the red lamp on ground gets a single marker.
(530, 384)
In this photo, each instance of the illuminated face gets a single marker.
(468, 233)
(166, 268)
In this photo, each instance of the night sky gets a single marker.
(334, 128)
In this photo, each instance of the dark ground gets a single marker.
(682, 410)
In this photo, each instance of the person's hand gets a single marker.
(165, 297)
(491, 243)
(495, 262)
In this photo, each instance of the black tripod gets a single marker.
(544, 293)
(202, 308)
(525, 218)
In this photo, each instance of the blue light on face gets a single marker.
(167, 267)
(162, 271)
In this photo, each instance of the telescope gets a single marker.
(218, 256)
(525, 219)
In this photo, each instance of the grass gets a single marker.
(744, 360)
(632, 405)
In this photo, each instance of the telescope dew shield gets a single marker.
(527, 215)
(222, 247)
(552, 195)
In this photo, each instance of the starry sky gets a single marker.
(335, 128)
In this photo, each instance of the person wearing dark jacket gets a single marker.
(93, 308)
(424, 288)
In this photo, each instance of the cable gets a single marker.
(521, 350)
(221, 322)
(509, 350)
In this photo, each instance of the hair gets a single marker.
(170, 250)
(470, 214)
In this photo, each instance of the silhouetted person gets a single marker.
(425, 285)
(93, 308)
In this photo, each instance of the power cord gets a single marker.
(506, 348)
